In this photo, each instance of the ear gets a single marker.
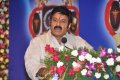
(69, 26)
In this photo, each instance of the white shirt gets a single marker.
(35, 54)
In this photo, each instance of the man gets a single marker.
(60, 21)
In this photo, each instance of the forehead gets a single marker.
(58, 15)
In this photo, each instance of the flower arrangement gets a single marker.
(83, 64)
(4, 40)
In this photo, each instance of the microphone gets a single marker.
(64, 40)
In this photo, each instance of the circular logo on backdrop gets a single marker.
(35, 22)
(112, 16)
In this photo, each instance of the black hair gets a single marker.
(63, 10)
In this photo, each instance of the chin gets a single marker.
(57, 35)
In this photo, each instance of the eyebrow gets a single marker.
(59, 18)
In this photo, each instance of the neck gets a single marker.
(59, 39)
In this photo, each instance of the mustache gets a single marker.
(58, 27)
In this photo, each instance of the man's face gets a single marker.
(59, 24)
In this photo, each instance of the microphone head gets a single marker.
(64, 40)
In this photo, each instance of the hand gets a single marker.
(44, 73)
(118, 46)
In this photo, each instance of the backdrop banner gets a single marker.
(96, 21)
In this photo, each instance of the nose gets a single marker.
(58, 23)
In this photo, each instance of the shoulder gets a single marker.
(74, 37)
(80, 42)
(40, 38)
(79, 38)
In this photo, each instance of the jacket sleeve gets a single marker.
(33, 59)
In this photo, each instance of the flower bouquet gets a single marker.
(83, 64)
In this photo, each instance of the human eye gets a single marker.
(54, 20)
(63, 21)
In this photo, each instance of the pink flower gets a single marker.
(71, 72)
(49, 49)
(103, 52)
(55, 58)
(76, 66)
(67, 58)
(89, 73)
(112, 55)
(1, 31)
(82, 52)
(52, 68)
(77, 69)
(60, 70)
(118, 74)
(90, 66)
(55, 52)
(52, 72)
(6, 55)
(2, 45)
